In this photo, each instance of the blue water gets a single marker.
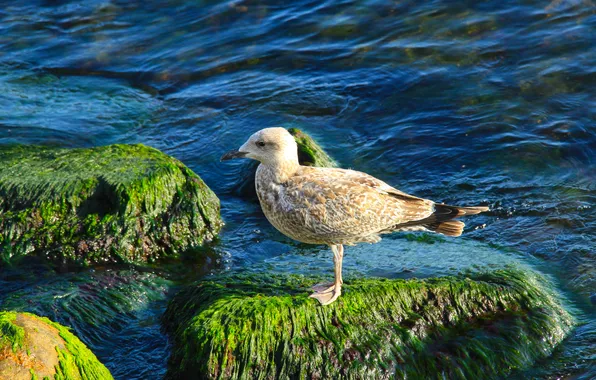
(462, 102)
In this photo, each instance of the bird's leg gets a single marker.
(340, 248)
(326, 287)
(327, 293)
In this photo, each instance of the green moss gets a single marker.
(117, 203)
(95, 302)
(424, 238)
(483, 325)
(309, 152)
(10, 334)
(75, 361)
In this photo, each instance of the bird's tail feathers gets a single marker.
(441, 221)
(457, 211)
(449, 227)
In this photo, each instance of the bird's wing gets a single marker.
(350, 201)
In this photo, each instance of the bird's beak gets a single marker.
(233, 154)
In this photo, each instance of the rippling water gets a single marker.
(461, 102)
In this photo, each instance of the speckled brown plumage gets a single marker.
(335, 206)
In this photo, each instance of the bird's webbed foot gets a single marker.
(323, 287)
(326, 293)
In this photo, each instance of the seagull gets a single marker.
(334, 206)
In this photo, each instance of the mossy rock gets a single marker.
(116, 203)
(33, 347)
(309, 154)
(475, 326)
(114, 311)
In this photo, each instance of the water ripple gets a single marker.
(475, 103)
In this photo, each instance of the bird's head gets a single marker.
(270, 146)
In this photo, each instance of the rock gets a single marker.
(309, 154)
(476, 326)
(33, 347)
(116, 203)
(115, 312)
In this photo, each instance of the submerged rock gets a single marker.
(116, 203)
(309, 154)
(252, 326)
(33, 347)
(115, 312)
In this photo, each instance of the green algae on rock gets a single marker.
(33, 347)
(94, 301)
(114, 311)
(309, 154)
(482, 325)
(116, 203)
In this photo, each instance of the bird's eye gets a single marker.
(261, 143)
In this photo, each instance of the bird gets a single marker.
(334, 206)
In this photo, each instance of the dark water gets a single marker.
(463, 102)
